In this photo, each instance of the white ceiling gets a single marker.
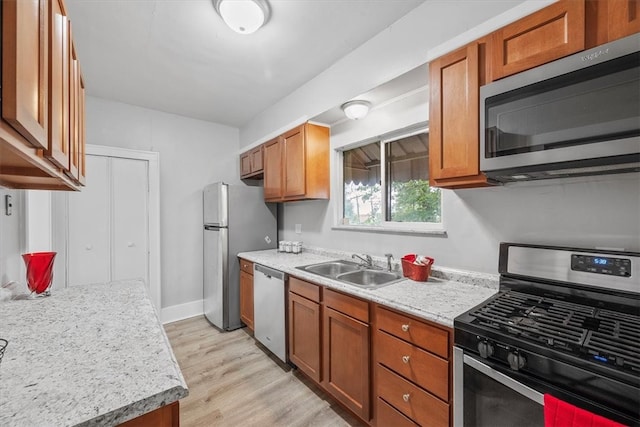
(178, 56)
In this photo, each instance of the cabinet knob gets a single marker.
(405, 359)
(89, 247)
(406, 397)
(244, 266)
(405, 327)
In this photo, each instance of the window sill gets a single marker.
(391, 230)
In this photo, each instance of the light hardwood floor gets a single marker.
(232, 382)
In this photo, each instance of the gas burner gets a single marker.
(522, 321)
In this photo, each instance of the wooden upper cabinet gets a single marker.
(302, 171)
(273, 170)
(58, 148)
(251, 163)
(609, 20)
(454, 142)
(551, 33)
(294, 163)
(25, 68)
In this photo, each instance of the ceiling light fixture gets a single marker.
(243, 16)
(356, 109)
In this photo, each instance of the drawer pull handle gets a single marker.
(405, 327)
(405, 359)
(406, 397)
(245, 266)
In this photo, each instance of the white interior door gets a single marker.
(130, 210)
(89, 247)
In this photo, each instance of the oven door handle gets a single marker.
(505, 380)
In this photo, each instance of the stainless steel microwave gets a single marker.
(576, 116)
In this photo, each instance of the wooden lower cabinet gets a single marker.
(246, 293)
(346, 351)
(305, 333)
(165, 416)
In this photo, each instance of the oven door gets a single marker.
(484, 396)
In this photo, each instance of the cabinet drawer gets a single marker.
(412, 401)
(304, 289)
(387, 415)
(428, 337)
(354, 307)
(246, 266)
(423, 368)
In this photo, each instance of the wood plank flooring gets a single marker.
(232, 382)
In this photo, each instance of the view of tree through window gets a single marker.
(409, 198)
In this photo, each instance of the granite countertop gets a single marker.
(447, 294)
(86, 355)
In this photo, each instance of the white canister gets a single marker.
(287, 247)
(281, 246)
(296, 247)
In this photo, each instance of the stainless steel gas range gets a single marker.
(566, 323)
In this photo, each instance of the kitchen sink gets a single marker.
(333, 268)
(353, 273)
(370, 278)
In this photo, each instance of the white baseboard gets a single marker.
(182, 311)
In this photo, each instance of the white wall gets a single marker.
(583, 212)
(12, 238)
(193, 153)
(425, 33)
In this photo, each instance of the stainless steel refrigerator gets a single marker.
(236, 219)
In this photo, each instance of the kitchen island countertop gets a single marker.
(439, 300)
(86, 355)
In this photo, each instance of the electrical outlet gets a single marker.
(8, 205)
(298, 228)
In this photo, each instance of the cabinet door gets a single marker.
(58, 147)
(273, 170)
(346, 361)
(304, 335)
(623, 18)
(454, 142)
(256, 160)
(82, 142)
(294, 163)
(246, 299)
(245, 164)
(551, 33)
(25, 68)
(130, 219)
(74, 105)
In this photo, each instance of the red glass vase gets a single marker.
(39, 271)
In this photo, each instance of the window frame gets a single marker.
(384, 226)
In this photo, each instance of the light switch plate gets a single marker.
(298, 228)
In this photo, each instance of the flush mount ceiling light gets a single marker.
(356, 109)
(243, 16)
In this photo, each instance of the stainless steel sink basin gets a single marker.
(370, 278)
(332, 269)
(353, 273)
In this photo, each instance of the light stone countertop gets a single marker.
(447, 294)
(86, 355)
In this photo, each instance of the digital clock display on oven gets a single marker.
(601, 265)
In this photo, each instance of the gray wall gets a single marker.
(193, 153)
(584, 212)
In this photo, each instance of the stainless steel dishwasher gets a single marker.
(269, 309)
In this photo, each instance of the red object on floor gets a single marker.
(39, 270)
(558, 413)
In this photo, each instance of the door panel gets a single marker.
(214, 240)
(130, 216)
(89, 227)
(273, 170)
(295, 165)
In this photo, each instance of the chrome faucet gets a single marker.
(389, 258)
(366, 261)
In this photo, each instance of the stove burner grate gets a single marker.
(595, 334)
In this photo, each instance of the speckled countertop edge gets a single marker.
(447, 294)
(87, 355)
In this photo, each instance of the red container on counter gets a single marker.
(417, 272)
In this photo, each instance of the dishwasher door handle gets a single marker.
(269, 272)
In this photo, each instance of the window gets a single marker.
(387, 183)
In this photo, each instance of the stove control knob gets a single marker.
(516, 360)
(485, 349)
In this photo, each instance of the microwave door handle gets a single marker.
(505, 380)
